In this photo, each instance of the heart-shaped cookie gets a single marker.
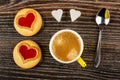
(74, 14)
(57, 14)
(27, 20)
(27, 52)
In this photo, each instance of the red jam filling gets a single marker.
(27, 53)
(26, 21)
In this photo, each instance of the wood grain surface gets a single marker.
(48, 68)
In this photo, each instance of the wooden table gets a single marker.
(48, 68)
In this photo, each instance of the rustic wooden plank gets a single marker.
(109, 68)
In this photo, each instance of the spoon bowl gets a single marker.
(103, 17)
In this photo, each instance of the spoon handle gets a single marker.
(98, 51)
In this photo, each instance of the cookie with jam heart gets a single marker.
(27, 22)
(27, 54)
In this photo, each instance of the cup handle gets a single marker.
(82, 62)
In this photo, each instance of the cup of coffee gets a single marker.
(66, 46)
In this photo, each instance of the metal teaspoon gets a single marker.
(102, 18)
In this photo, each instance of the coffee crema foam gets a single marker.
(66, 46)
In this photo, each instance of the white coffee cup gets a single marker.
(78, 58)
